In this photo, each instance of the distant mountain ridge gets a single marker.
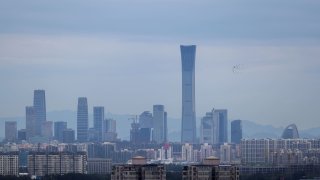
(250, 129)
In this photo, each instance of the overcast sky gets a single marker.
(124, 55)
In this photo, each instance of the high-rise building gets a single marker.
(41, 164)
(210, 169)
(165, 127)
(188, 129)
(236, 131)
(145, 120)
(11, 131)
(109, 132)
(82, 120)
(68, 136)
(22, 134)
(134, 133)
(206, 150)
(222, 115)
(9, 164)
(139, 169)
(59, 127)
(98, 117)
(30, 122)
(99, 166)
(39, 105)
(46, 129)
(225, 153)
(290, 132)
(159, 118)
(187, 152)
(207, 129)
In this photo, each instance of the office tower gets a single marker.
(98, 117)
(9, 164)
(134, 133)
(236, 131)
(207, 129)
(58, 163)
(39, 105)
(30, 122)
(11, 131)
(46, 129)
(222, 115)
(145, 135)
(68, 136)
(82, 120)
(290, 132)
(188, 129)
(109, 132)
(145, 120)
(187, 152)
(101, 150)
(22, 134)
(59, 127)
(159, 123)
(165, 127)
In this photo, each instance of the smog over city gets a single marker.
(160, 82)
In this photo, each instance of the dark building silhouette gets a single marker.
(11, 131)
(68, 136)
(188, 129)
(59, 127)
(39, 105)
(82, 120)
(236, 131)
(290, 132)
(98, 117)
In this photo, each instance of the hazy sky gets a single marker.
(124, 55)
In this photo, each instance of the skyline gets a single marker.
(278, 82)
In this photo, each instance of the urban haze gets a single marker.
(214, 76)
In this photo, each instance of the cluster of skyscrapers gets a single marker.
(95, 149)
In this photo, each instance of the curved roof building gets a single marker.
(290, 132)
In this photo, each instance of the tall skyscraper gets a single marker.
(82, 119)
(188, 129)
(59, 127)
(39, 105)
(207, 129)
(165, 127)
(159, 128)
(11, 131)
(236, 131)
(222, 115)
(145, 120)
(98, 117)
(30, 122)
(109, 130)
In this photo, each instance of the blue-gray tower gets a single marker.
(188, 129)
(82, 120)
(39, 105)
